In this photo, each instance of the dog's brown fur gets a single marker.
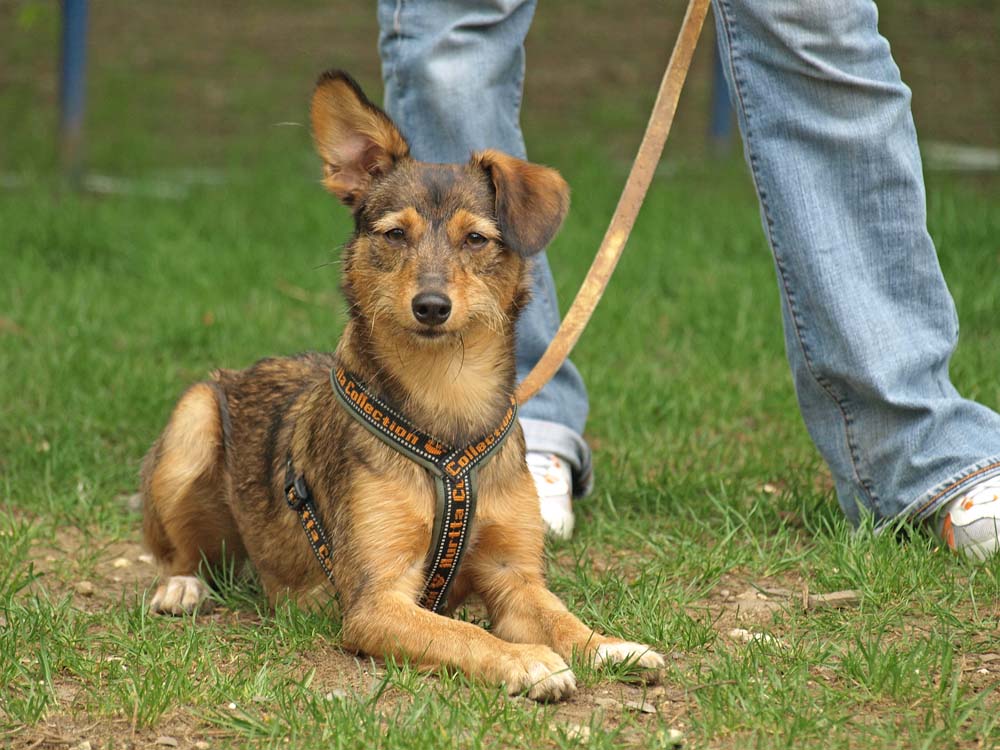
(212, 483)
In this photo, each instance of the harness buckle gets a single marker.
(296, 489)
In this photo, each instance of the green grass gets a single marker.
(111, 305)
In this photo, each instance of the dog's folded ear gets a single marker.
(355, 139)
(531, 200)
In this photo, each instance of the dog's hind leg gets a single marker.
(186, 519)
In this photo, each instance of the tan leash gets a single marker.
(628, 207)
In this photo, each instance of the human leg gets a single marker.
(869, 323)
(453, 74)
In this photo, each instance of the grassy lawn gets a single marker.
(712, 511)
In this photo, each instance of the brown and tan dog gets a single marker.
(435, 275)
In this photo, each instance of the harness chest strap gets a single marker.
(454, 472)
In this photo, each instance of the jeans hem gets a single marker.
(543, 436)
(937, 497)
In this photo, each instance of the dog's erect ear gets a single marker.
(355, 139)
(532, 200)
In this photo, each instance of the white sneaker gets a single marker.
(971, 522)
(555, 492)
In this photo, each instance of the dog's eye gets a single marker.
(475, 240)
(395, 235)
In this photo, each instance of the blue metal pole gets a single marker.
(72, 85)
(721, 126)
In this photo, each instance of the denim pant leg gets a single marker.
(453, 73)
(869, 323)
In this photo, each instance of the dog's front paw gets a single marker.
(540, 672)
(636, 654)
(180, 595)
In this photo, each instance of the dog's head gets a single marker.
(438, 249)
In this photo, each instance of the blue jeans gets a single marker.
(869, 323)
(453, 73)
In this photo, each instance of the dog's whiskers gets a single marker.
(461, 363)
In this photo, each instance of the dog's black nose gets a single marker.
(431, 308)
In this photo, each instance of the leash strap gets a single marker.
(633, 194)
(454, 472)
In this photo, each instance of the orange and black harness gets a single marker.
(454, 472)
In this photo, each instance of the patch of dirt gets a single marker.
(741, 609)
(98, 572)
(67, 733)
(114, 568)
(95, 571)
